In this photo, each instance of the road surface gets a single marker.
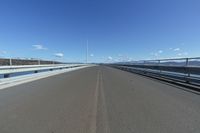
(98, 100)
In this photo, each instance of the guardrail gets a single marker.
(183, 70)
(6, 71)
(25, 61)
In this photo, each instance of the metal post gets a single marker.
(187, 61)
(145, 69)
(159, 67)
(10, 61)
(39, 62)
(87, 53)
(186, 65)
(187, 71)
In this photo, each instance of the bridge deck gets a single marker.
(98, 100)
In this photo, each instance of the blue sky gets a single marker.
(116, 29)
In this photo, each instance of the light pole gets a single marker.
(87, 53)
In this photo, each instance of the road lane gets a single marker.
(58, 104)
(98, 100)
(139, 105)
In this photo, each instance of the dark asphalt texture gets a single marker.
(98, 100)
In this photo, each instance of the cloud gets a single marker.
(3, 52)
(120, 55)
(129, 59)
(116, 60)
(160, 51)
(179, 54)
(60, 55)
(156, 54)
(39, 47)
(110, 58)
(91, 55)
(183, 54)
(177, 49)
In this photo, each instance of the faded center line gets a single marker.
(93, 126)
(105, 113)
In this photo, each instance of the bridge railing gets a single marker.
(24, 61)
(7, 71)
(183, 69)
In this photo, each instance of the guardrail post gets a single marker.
(186, 62)
(160, 71)
(145, 69)
(10, 60)
(39, 62)
(187, 71)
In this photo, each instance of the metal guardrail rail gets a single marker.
(185, 70)
(25, 61)
(6, 71)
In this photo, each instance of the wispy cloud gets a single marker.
(120, 55)
(60, 55)
(3, 52)
(39, 47)
(179, 54)
(183, 54)
(110, 58)
(177, 49)
(122, 58)
(160, 51)
(156, 54)
(91, 55)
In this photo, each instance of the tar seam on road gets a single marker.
(93, 126)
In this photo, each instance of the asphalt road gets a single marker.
(98, 100)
